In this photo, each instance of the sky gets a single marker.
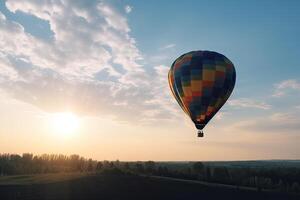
(105, 64)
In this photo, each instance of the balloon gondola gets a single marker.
(201, 82)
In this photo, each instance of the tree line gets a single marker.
(284, 179)
(14, 164)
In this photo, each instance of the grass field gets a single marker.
(116, 186)
(40, 178)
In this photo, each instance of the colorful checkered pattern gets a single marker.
(201, 82)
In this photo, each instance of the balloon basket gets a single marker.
(200, 133)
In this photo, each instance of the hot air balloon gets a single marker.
(201, 82)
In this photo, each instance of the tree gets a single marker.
(198, 170)
(99, 166)
(207, 174)
(90, 165)
(139, 167)
(198, 167)
(220, 174)
(295, 187)
(150, 167)
(126, 166)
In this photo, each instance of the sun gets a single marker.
(65, 123)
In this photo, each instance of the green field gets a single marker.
(115, 185)
(40, 178)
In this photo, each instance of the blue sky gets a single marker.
(259, 36)
(110, 59)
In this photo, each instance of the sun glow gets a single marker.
(64, 123)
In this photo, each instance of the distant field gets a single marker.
(117, 186)
(40, 178)
(270, 164)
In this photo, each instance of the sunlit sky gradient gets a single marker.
(106, 63)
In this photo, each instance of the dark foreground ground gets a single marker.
(119, 187)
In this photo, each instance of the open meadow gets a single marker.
(116, 185)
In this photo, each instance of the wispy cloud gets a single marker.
(284, 86)
(91, 66)
(81, 37)
(164, 53)
(7, 71)
(274, 123)
(162, 103)
(128, 8)
(168, 46)
(221, 115)
(249, 103)
(286, 118)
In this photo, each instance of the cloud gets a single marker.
(113, 18)
(128, 8)
(89, 37)
(165, 106)
(287, 122)
(248, 103)
(287, 118)
(92, 66)
(285, 86)
(221, 115)
(168, 46)
(164, 54)
(7, 72)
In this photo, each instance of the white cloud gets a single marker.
(284, 118)
(7, 71)
(113, 18)
(162, 102)
(287, 122)
(294, 84)
(221, 115)
(89, 37)
(248, 103)
(91, 66)
(284, 86)
(168, 46)
(128, 8)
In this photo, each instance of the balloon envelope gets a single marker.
(201, 82)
